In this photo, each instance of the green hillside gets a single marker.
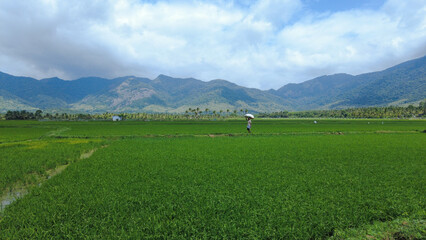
(400, 85)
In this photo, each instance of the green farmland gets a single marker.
(289, 179)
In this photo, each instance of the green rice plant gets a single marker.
(22, 130)
(183, 128)
(303, 186)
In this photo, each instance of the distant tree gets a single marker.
(19, 115)
(10, 115)
(38, 114)
(422, 106)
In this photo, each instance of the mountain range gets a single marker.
(399, 85)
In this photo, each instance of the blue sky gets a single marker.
(342, 5)
(254, 43)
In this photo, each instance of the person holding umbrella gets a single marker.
(249, 117)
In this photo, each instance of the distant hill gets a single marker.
(132, 94)
(401, 84)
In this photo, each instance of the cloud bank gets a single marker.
(263, 44)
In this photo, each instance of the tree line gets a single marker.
(207, 114)
(369, 112)
(188, 115)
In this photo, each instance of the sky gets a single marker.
(254, 43)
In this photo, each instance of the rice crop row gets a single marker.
(255, 187)
(18, 131)
(238, 127)
(14, 130)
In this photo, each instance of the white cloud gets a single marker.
(264, 44)
(277, 12)
(356, 41)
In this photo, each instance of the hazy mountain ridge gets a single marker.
(403, 83)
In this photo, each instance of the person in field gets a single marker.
(249, 124)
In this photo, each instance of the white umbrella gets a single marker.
(249, 115)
